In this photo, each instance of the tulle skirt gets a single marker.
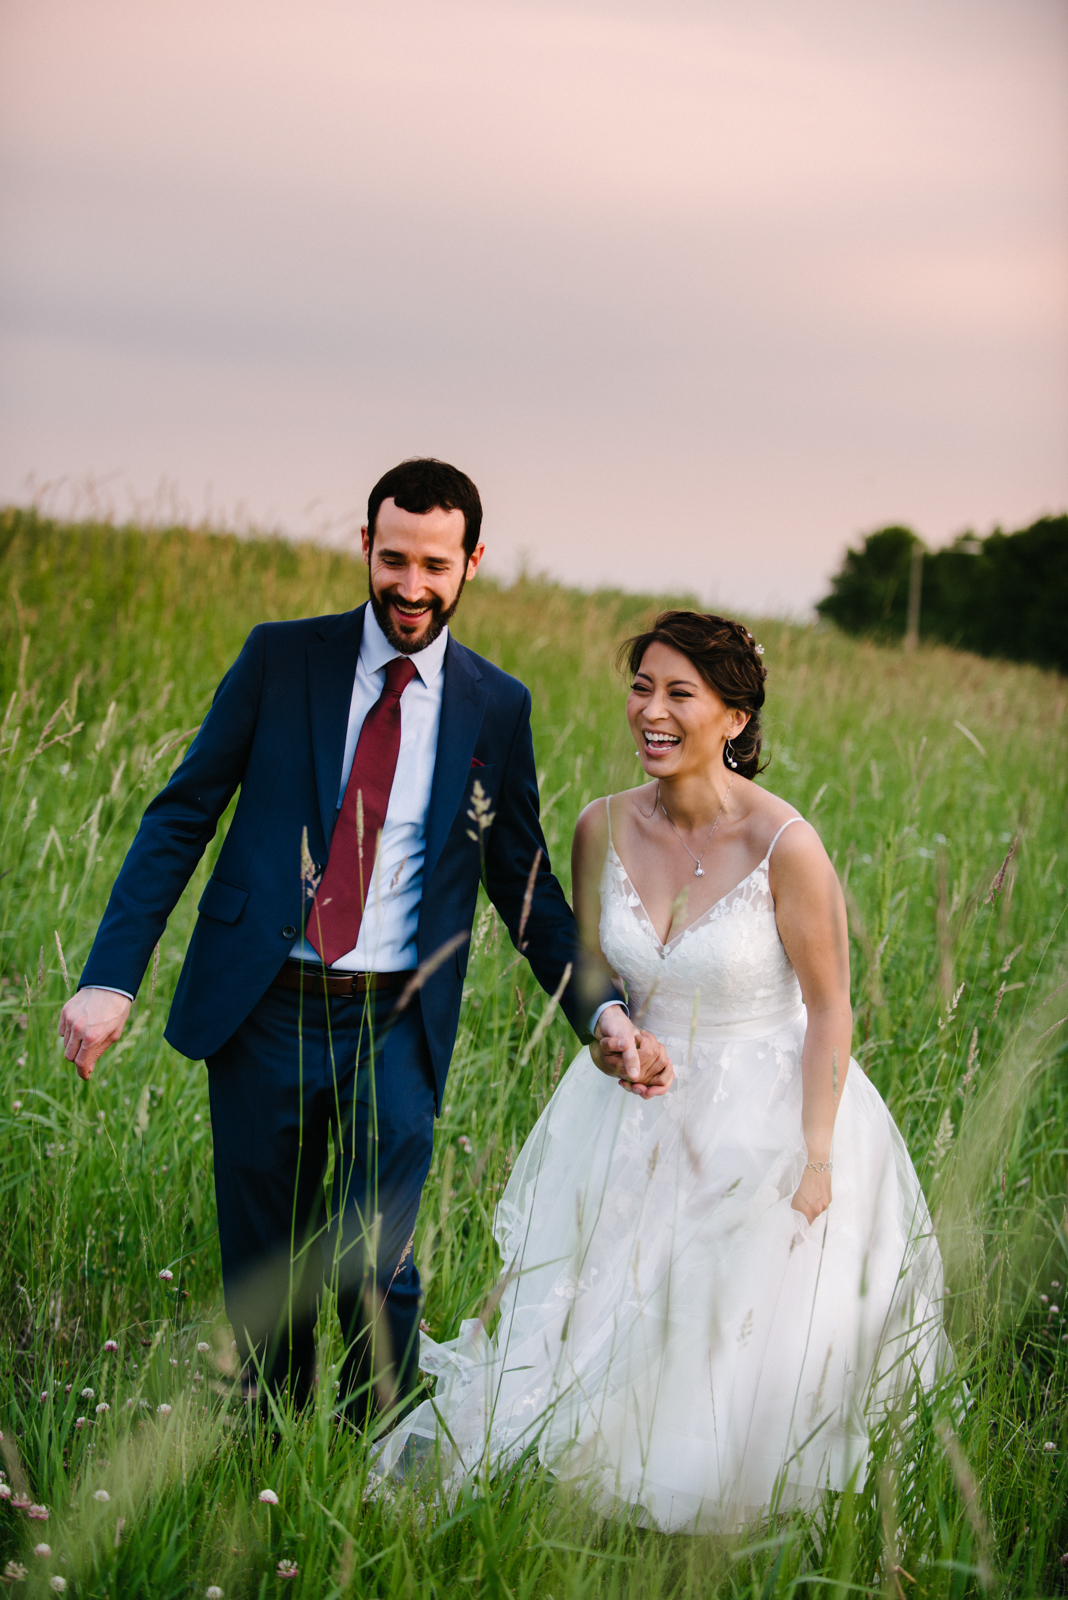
(672, 1334)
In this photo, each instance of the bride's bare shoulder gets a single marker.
(767, 815)
(592, 827)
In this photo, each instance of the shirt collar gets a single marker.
(376, 652)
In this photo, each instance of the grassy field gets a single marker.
(925, 775)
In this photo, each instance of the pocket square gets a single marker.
(475, 762)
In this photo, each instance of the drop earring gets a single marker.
(729, 756)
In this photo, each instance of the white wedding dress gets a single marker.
(672, 1333)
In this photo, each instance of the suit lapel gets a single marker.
(332, 663)
(463, 705)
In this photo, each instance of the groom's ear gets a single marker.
(473, 561)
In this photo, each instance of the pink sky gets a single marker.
(696, 292)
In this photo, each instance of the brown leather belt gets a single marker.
(311, 979)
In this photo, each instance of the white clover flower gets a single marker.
(87, 1394)
(164, 1410)
(268, 1497)
(1054, 1311)
(5, 1491)
(111, 1345)
(37, 1513)
(1049, 1447)
(213, 1592)
(198, 1377)
(58, 1584)
(103, 1406)
(203, 1347)
(1044, 1299)
(80, 1422)
(287, 1569)
(101, 1495)
(166, 1275)
(15, 1572)
(44, 1396)
(42, 1550)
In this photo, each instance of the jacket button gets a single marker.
(289, 933)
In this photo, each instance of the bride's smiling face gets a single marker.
(679, 722)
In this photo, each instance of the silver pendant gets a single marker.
(699, 872)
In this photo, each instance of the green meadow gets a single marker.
(938, 781)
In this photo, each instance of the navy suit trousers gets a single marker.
(303, 1073)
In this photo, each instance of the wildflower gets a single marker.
(166, 1275)
(196, 1116)
(287, 1569)
(79, 1423)
(268, 1497)
(213, 1592)
(5, 1491)
(37, 1513)
(15, 1572)
(101, 1495)
(103, 1406)
(130, 1405)
(1054, 1311)
(198, 1377)
(465, 1144)
(58, 1584)
(44, 1396)
(16, 1105)
(111, 1345)
(203, 1347)
(68, 1389)
(1049, 1447)
(1044, 1299)
(87, 1394)
(164, 1410)
(42, 1550)
(172, 1361)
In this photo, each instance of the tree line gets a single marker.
(1005, 595)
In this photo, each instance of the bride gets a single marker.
(715, 1281)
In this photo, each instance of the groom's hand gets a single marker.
(633, 1056)
(90, 1022)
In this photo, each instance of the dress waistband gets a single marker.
(678, 1026)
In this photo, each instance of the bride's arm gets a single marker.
(811, 916)
(588, 850)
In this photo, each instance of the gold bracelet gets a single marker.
(820, 1166)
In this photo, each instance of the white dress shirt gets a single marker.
(387, 941)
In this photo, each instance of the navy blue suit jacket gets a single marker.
(276, 731)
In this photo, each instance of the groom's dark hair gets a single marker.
(424, 484)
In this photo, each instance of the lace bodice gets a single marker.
(728, 968)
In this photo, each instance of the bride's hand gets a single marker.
(657, 1073)
(813, 1194)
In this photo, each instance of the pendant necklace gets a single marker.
(699, 870)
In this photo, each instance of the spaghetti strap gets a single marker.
(781, 831)
(608, 813)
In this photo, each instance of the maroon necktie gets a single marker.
(336, 914)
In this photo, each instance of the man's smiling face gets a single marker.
(417, 568)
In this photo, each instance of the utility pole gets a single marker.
(912, 629)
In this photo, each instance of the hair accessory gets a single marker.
(819, 1166)
(731, 758)
(699, 870)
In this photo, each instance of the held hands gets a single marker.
(90, 1022)
(813, 1194)
(633, 1056)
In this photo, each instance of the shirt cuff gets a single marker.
(622, 1004)
(110, 989)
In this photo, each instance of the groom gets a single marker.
(323, 981)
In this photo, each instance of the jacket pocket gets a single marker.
(224, 902)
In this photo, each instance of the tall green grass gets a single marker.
(925, 774)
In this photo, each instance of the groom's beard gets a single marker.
(439, 615)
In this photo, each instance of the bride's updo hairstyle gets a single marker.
(726, 656)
